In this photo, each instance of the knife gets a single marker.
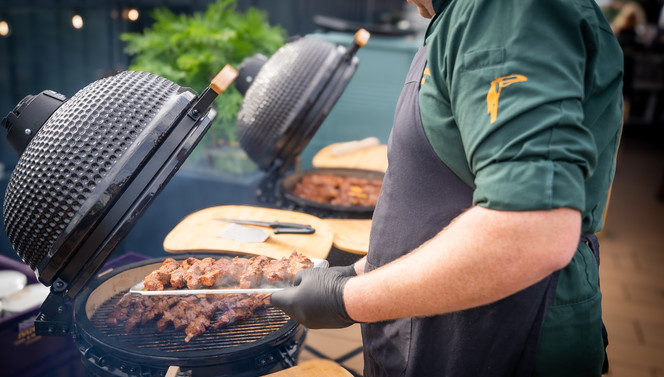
(279, 227)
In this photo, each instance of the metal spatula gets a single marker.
(241, 233)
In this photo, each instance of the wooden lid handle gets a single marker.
(362, 37)
(223, 79)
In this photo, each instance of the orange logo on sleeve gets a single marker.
(426, 72)
(494, 92)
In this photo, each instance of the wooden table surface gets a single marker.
(199, 231)
(314, 368)
(351, 235)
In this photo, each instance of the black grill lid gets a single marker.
(95, 165)
(290, 97)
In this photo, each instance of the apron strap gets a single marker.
(593, 243)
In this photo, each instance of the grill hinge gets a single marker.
(267, 187)
(289, 354)
(55, 316)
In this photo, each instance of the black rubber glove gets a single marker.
(345, 270)
(316, 300)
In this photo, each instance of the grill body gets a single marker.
(287, 102)
(266, 342)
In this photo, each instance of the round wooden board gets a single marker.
(370, 158)
(351, 235)
(314, 368)
(199, 231)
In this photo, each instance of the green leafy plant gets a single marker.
(191, 49)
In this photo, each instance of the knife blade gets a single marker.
(278, 227)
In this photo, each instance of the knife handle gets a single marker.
(278, 224)
(286, 230)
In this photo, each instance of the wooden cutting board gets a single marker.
(314, 368)
(198, 233)
(351, 235)
(370, 158)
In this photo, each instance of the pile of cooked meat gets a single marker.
(195, 314)
(337, 190)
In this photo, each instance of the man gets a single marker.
(482, 256)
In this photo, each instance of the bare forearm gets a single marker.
(483, 256)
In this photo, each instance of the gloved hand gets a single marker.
(316, 300)
(345, 270)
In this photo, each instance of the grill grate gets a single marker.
(264, 322)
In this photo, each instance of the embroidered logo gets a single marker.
(426, 72)
(494, 92)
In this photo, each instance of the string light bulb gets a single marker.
(133, 14)
(4, 28)
(77, 21)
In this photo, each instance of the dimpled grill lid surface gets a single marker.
(62, 170)
(283, 89)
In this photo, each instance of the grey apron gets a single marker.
(419, 197)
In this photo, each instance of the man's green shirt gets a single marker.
(530, 120)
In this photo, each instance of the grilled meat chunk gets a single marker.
(215, 275)
(121, 310)
(252, 276)
(159, 279)
(297, 262)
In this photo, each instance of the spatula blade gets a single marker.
(241, 233)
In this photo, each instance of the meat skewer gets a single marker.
(208, 309)
(193, 273)
(195, 314)
(243, 309)
(121, 310)
(179, 314)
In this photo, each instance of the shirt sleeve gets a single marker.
(516, 85)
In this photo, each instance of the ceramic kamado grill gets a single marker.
(288, 98)
(89, 166)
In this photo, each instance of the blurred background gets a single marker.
(64, 45)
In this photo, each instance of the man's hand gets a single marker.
(316, 300)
